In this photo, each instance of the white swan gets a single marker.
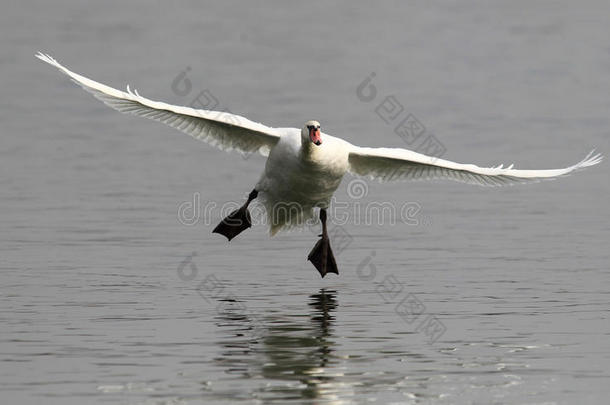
(304, 167)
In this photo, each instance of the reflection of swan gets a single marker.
(234, 318)
(296, 350)
(291, 354)
(324, 303)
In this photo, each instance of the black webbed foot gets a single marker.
(321, 256)
(237, 221)
(234, 224)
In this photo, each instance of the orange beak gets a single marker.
(314, 136)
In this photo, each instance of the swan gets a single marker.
(304, 167)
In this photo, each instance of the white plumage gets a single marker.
(299, 175)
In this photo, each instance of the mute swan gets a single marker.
(304, 167)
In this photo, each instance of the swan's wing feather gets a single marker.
(387, 164)
(222, 129)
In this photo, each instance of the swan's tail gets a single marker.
(286, 216)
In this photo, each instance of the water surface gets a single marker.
(106, 297)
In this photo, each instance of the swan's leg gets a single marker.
(237, 221)
(321, 256)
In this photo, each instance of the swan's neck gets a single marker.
(308, 150)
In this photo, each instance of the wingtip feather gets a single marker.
(591, 159)
(47, 58)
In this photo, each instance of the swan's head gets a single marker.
(311, 133)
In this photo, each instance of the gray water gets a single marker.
(485, 295)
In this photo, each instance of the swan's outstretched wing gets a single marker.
(387, 164)
(222, 129)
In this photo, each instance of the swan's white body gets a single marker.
(299, 175)
(298, 178)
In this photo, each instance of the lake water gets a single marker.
(484, 296)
